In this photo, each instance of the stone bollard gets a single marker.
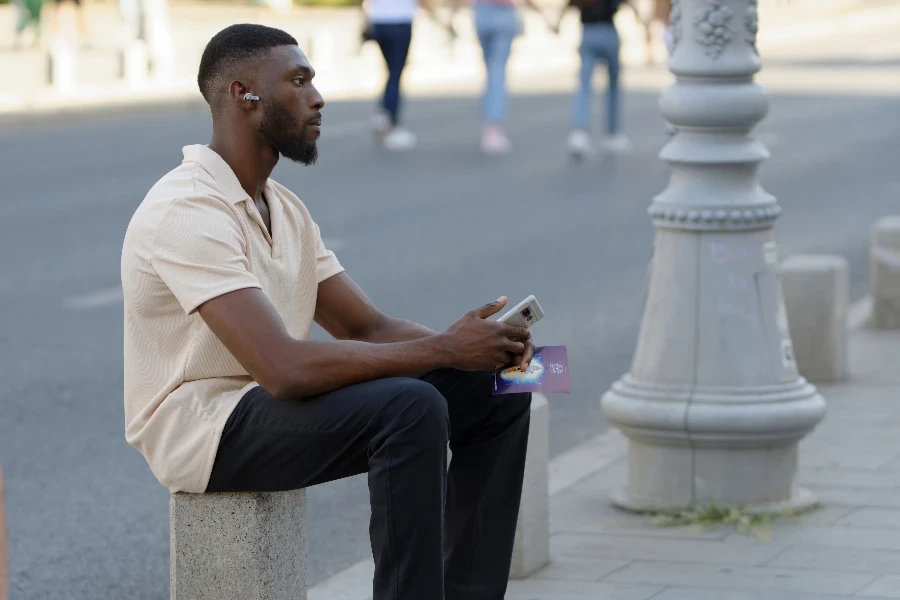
(532, 546)
(241, 546)
(816, 298)
(135, 63)
(884, 256)
(61, 66)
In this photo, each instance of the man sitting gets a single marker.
(224, 272)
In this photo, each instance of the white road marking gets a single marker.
(98, 299)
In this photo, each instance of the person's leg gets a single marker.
(484, 28)
(396, 429)
(394, 40)
(581, 104)
(488, 438)
(399, 53)
(496, 57)
(607, 48)
(382, 34)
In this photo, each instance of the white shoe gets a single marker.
(380, 122)
(399, 139)
(618, 144)
(494, 141)
(580, 143)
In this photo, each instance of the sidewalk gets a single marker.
(331, 39)
(848, 548)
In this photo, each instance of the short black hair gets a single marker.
(233, 45)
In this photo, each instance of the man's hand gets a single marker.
(476, 344)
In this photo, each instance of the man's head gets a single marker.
(264, 62)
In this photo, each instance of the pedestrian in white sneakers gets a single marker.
(600, 41)
(389, 23)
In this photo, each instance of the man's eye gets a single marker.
(298, 80)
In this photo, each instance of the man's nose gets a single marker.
(317, 101)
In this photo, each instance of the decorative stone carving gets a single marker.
(675, 23)
(751, 24)
(712, 27)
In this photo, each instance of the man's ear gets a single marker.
(241, 94)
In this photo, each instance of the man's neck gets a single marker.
(251, 161)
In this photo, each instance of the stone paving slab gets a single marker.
(707, 593)
(847, 548)
(886, 587)
(847, 559)
(810, 581)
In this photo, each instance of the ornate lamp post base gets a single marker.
(713, 405)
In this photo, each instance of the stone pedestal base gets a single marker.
(669, 478)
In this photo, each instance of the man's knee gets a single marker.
(418, 403)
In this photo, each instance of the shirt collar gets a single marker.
(221, 173)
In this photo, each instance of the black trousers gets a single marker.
(435, 533)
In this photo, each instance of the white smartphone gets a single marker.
(525, 314)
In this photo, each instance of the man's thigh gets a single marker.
(475, 414)
(276, 445)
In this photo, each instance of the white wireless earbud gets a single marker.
(250, 97)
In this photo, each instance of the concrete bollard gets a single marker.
(135, 63)
(884, 261)
(532, 546)
(61, 66)
(817, 297)
(242, 546)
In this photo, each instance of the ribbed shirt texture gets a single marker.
(198, 235)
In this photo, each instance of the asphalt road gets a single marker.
(428, 235)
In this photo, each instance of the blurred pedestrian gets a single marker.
(389, 24)
(599, 41)
(28, 14)
(81, 19)
(497, 23)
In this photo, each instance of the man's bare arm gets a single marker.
(344, 311)
(251, 329)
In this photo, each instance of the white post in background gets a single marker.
(713, 405)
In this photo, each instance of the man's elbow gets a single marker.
(280, 380)
(286, 386)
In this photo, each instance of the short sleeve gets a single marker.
(327, 264)
(199, 251)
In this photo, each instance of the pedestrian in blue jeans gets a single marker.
(497, 23)
(599, 42)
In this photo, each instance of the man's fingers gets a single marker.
(527, 356)
(491, 308)
(516, 333)
(514, 348)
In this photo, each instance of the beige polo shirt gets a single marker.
(198, 235)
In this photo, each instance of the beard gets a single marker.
(276, 126)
